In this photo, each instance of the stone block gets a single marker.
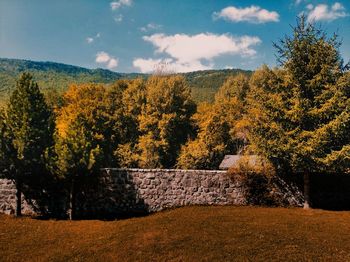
(150, 176)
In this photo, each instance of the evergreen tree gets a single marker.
(7, 152)
(300, 112)
(27, 134)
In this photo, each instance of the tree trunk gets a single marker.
(307, 203)
(18, 212)
(72, 200)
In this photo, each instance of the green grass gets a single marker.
(184, 234)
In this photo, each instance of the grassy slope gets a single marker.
(185, 234)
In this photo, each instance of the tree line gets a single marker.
(296, 116)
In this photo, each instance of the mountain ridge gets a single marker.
(58, 76)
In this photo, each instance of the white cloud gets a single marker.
(152, 65)
(323, 12)
(104, 58)
(298, 2)
(202, 46)
(116, 4)
(150, 27)
(195, 52)
(118, 18)
(309, 7)
(112, 63)
(252, 14)
(147, 65)
(91, 39)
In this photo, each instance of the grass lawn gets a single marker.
(184, 234)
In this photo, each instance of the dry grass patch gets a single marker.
(184, 234)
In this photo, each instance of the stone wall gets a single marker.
(142, 190)
(116, 192)
(8, 199)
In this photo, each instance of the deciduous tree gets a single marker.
(91, 125)
(220, 127)
(78, 154)
(165, 121)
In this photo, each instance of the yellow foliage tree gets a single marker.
(221, 129)
(165, 121)
(102, 113)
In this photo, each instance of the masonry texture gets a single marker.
(122, 191)
(142, 190)
(8, 199)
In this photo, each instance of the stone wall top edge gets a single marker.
(5, 179)
(166, 170)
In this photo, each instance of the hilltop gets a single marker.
(57, 76)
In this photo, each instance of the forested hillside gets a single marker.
(204, 84)
(57, 76)
(51, 75)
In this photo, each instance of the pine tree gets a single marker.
(7, 152)
(300, 112)
(27, 134)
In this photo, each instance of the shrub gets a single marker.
(257, 176)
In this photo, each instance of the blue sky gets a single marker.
(142, 35)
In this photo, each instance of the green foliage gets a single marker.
(56, 77)
(220, 129)
(52, 76)
(30, 126)
(133, 102)
(26, 130)
(296, 115)
(205, 84)
(164, 121)
(259, 181)
(89, 128)
(98, 111)
(300, 113)
(132, 122)
(77, 152)
(7, 152)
